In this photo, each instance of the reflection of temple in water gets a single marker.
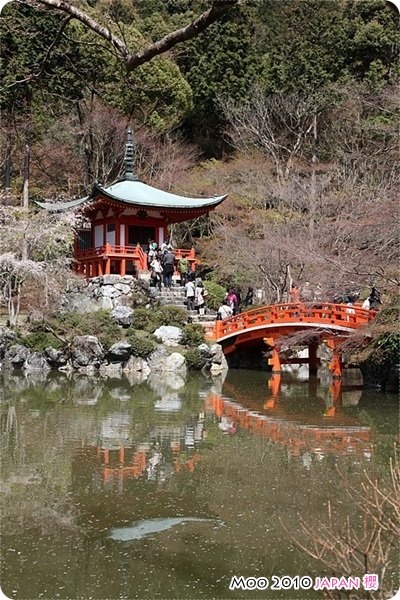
(166, 450)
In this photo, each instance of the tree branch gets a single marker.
(217, 10)
(134, 60)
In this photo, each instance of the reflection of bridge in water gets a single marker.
(332, 433)
(171, 449)
(325, 322)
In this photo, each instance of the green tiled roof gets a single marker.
(136, 193)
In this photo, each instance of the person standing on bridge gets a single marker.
(248, 301)
(231, 298)
(294, 294)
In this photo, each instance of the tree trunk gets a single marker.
(313, 190)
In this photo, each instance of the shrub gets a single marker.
(216, 294)
(194, 359)
(145, 318)
(40, 340)
(151, 319)
(172, 315)
(141, 346)
(192, 335)
(99, 323)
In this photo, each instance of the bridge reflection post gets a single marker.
(274, 384)
(335, 365)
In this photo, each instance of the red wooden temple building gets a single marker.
(123, 217)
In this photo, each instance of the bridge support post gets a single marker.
(274, 360)
(312, 357)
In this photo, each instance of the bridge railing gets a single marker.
(321, 313)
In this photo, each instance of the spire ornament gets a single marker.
(129, 175)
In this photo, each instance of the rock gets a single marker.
(119, 352)
(55, 358)
(106, 303)
(169, 335)
(123, 288)
(123, 315)
(218, 361)
(6, 339)
(109, 279)
(86, 351)
(136, 364)
(107, 291)
(111, 369)
(36, 362)
(79, 302)
(16, 355)
(162, 360)
(157, 358)
(205, 350)
(174, 362)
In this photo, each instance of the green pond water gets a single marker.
(168, 488)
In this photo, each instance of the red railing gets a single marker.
(332, 316)
(128, 252)
(110, 250)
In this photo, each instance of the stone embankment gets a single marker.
(85, 353)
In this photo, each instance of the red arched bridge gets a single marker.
(328, 322)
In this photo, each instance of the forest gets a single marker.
(292, 107)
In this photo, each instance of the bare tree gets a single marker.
(351, 548)
(277, 124)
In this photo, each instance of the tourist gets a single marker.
(294, 294)
(190, 294)
(231, 298)
(199, 298)
(237, 308)
(183, 269)
(156, 272)
(152, 252)
(224, 311)
(168, 261)
(375, 299)
(248, 301)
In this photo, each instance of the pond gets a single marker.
(169, 488)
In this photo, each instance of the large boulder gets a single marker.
(123, 315)
(169, 335)
(79, 302)
(36, 362)
(86, 351)
(136, 364)
(55, 357)
(162, 360)
(16, 355)
(119, 352)
(6, 339)
(218, 360)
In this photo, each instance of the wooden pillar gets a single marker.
(100, 267)
(312, 357)
(123, 267)
(274, 360)
(108, 266)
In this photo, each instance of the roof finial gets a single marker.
(129, 156)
